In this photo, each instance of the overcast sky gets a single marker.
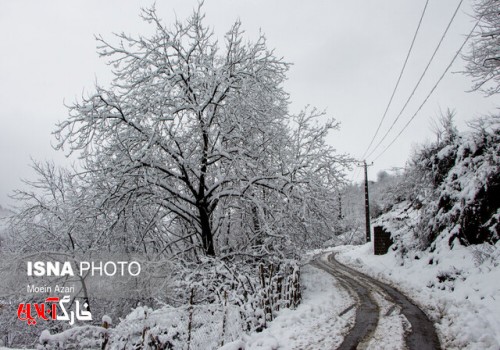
(346, 54)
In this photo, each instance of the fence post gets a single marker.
(190, 323)
(105, 340)
(270, 292)
(279, 287)
(224, 316)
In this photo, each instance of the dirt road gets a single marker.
(376, 305)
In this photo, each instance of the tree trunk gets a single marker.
(256, 226)
(206, 231)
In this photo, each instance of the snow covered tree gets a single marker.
(60, 218)
(48, 212)
(484, 55)
(196, 133)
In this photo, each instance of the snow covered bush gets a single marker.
(83, 337)
(467, 187)
(258, 287)
(454, 184)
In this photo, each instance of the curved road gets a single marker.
(421, 335)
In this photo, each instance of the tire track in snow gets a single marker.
(366, 309)
(421, 335)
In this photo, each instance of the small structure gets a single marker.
(381, 240)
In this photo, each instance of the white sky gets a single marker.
(346, 55)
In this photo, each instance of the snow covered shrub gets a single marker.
(459, 190)
(83, 337)
(195, 327)
(258, 287)
(469, 198)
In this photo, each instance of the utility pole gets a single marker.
(340, 217)
(367, 204)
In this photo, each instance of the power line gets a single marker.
(355, 174)
(420, 79)
(399, 79)
(432, 90)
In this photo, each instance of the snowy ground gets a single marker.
(315, 324)
(458, 288)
